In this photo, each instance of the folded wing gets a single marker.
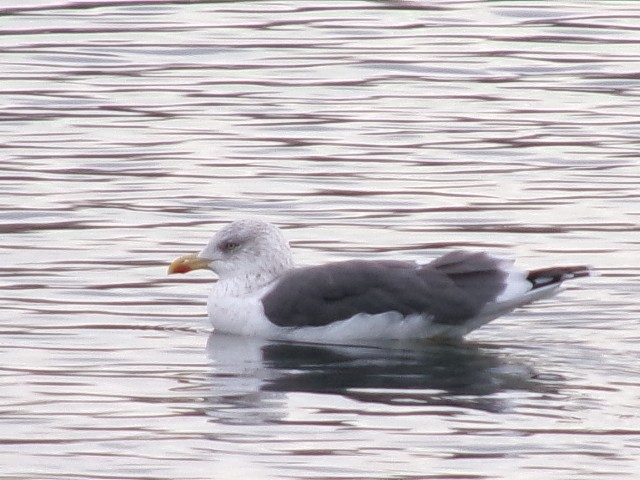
(449, 290)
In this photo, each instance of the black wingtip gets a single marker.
(547, 276)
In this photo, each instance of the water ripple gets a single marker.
(131, 131)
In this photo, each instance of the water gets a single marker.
(131, 131)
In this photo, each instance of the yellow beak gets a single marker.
(187, 263)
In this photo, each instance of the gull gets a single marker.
(261, 293)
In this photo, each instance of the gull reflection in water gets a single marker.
(251, 377)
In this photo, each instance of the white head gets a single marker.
(251, 251)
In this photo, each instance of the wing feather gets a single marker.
(449, 290)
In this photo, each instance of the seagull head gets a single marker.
(242, 249)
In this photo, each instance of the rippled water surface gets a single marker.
(131, 131)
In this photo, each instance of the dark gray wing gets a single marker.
(452, 289)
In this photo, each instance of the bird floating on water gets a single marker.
(261, 293)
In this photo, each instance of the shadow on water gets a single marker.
(464, 375)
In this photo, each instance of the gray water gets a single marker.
(131, 131)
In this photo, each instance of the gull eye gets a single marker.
(228, 246)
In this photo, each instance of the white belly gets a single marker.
(245, 316)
